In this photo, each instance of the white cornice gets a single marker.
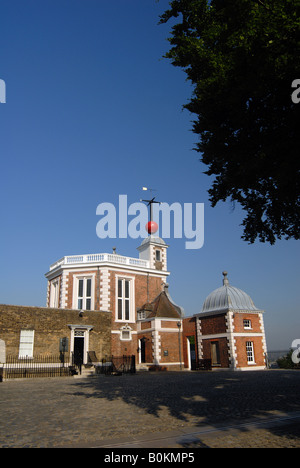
(112, 266)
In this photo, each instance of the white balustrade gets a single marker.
(100, 258)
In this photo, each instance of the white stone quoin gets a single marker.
(2, 352)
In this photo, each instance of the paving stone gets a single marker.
(62, 412)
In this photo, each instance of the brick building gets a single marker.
(159, 326)
(38, 331)
(109, 304)
(229, 330)
(133, 291)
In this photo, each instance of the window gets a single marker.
(124, 299)
(54, 293)
(141, 315)
(126, 333)
(84, 293)
(26, 343)
(158, 255)
(247, 323)
(250, 352)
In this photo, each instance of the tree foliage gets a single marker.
(242, 57)
(286, 362)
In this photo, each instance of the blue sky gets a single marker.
(93, 111)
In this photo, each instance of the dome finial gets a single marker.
(225, 279)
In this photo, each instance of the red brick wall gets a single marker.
(170, 342)
(70, 283)
(242, 354)
(239, 325)
(148, 346)
(154, 285)
(145, 325)
(120, 348)
(169, 324)
(213, 324)
(223, 348)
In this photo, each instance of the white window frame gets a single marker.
(250, 352)
(76, 280)
(26, 344)
(124, 299)
(54, 293)
(141, 315)
(247, 324)
(126, 334)
(158, 255)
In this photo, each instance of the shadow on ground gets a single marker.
(74, 412)
(202, 398)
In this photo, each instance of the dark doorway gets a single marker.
(78, 350)
(143, 350)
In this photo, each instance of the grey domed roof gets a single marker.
(228, 297)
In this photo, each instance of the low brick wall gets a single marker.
(50, 325)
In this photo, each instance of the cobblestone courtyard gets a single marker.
(62, 412)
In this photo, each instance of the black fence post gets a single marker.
(133, 368)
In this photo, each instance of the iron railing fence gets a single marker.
(38, 366)
(62, 365)
(203, 364)
(117, 365)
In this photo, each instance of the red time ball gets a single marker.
(151, 227)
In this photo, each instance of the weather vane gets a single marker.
(151, 226)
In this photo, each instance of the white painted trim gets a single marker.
(86, 329)
(262, 327)
(104, 289)
(232, 352)
(54, 298)
(188, 346)
(64, 284)
(250, 368)
(156, 346)
(76, 277)
(131, 280)
(164, 330)
(171, 363)
(111, 266)
(227, 335)
(199, 338)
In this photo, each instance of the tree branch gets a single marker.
(265, 6)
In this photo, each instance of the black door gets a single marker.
(78, 350)
(143, 350)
